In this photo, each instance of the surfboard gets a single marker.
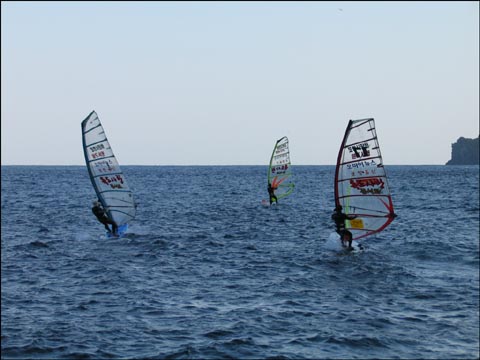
(266, 203)
(335, 244)
(122, 230)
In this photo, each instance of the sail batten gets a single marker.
(361, 185)
(360, 142)
(114, 173)
(95, 143)
(105, 157)
(115, 191)
(362, 122)
(93, 128)
(105, 174)
(279, 170)
(370, 158)
(363, 195)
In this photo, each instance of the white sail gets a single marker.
(107, 178)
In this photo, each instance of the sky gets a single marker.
(217, 83)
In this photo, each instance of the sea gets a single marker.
(207, 271)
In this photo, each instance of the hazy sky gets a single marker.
(217, 83)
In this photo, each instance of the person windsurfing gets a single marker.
(102, 216)
(271, 193)
(339, 218)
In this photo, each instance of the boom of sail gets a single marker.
(361, 186)
(107, 178)
(280, 170)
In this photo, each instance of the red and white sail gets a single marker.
(361, 186)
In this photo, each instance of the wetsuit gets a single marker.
(339, 219)
(102, 216)
(272, 194)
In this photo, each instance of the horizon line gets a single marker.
(266, 165)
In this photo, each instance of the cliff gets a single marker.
(465, 152)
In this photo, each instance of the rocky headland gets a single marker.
(465, 152)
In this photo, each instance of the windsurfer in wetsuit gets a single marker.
(271, 193)
(339, 218)
(102, 216)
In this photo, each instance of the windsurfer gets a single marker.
(271, 193)
(339, 218)
(102, 216)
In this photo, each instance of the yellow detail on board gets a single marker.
(356, 223)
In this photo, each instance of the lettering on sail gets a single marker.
(281, 158)
(105, 166)
(115, 181)
(281, 169)
(368, 185)
(281, 148)
(359, 151)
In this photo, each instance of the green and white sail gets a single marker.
(280, 169)
(106, 176)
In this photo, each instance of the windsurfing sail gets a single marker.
(361, 186)
(107, 178)
(280, 170)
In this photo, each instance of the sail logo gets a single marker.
(104, 166)
(97, 151)
(281, 156)
(362, 164)
(115, 182)
(359, 151)
(97, 147)
(279, 169)
(98, 154)
(368, 185)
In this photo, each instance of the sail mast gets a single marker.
(339, 158)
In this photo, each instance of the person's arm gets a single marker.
(106, 211)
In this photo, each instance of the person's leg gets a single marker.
(344, 238)
(106, 226)
(114, 228)
(348, 238)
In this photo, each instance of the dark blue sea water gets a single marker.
(208, 272)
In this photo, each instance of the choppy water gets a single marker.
(208, 272)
